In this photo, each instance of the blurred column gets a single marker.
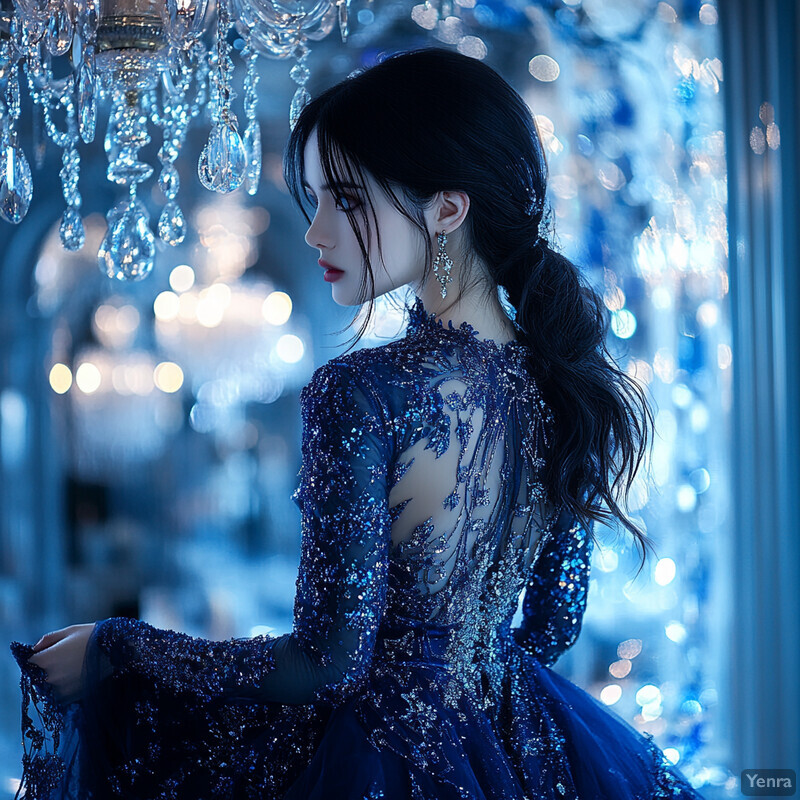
(761, 82)
(32, 556)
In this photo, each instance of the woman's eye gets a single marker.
(341, 201)
(346, 203)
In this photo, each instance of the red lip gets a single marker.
(331, 273)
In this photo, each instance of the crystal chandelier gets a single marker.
(158, 64)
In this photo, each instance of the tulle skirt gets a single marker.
(543, 737)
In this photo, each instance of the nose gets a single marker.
(317, 234)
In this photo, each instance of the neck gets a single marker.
(478, 305)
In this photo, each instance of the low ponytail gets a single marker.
(603, 420)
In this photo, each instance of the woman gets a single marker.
(442, 474)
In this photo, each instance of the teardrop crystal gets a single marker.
(16, 184)
(87, 106)
(177, 71)
(252, 146)
(172, 224)
(222, 162)
(299, 101)
(59, 31)
(343, 19)
(76, 51)
(71, 229)
(128, 248)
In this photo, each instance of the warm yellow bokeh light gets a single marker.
(181, 279)
(610, 694)
(187, 307)
(290, 348)
(212, 303)
(168, 376)
(60, 378)
(88, 377)
(166, 306)
(277, 308)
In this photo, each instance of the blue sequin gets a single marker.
(402, 677)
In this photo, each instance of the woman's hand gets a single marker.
(61, 655)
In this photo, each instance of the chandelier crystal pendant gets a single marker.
(157, 64)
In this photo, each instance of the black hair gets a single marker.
(429, 120)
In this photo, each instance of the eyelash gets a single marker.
(354, 203)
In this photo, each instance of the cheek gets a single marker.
(411, 250)
(401, 244)
(402, 249)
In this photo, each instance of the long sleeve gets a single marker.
(144, 686)
(341, 584)
(555, 596)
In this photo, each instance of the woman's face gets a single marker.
(330, 233)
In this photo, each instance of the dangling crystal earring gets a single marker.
(443, 258)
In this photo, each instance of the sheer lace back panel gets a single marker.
(466, 499)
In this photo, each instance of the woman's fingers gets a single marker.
(51, 638)
(45, 641)
(44, 656)
(52, 661)
(61, 654)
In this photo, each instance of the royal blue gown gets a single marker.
(424, 518)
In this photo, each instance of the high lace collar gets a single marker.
(419, 318)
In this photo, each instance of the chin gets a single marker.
(342, 297)
(345, 297)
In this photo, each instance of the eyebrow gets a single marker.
(326, 187)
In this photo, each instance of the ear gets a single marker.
(448, 210)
